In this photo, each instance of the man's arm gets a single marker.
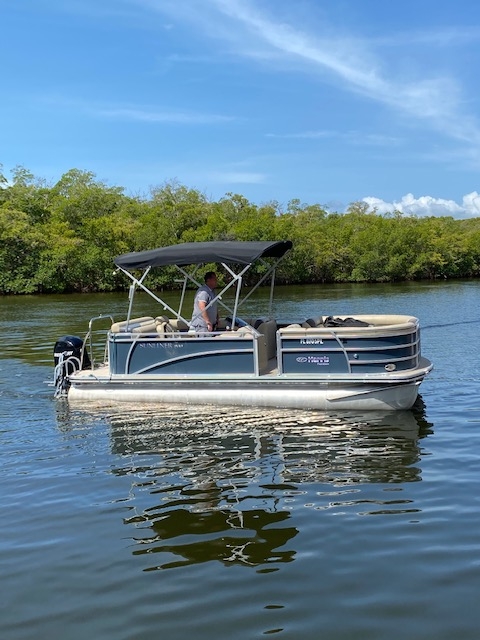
(202, 306)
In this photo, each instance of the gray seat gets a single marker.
(179, 325)
(313, 322)
(145, 324)
(268, 328)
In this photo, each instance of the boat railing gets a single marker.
(89, 344)
(378, 323)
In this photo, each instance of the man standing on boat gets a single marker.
(205, 319)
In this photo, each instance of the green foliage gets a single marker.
(20, 248)
(63, 237)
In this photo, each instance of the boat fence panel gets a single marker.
(182, 354)
(318, 350)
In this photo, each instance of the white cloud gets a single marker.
(471, 202)
(428, 206)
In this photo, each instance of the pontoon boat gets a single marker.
(369, 362)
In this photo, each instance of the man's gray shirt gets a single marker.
(206, 295)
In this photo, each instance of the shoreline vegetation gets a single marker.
(62, 238)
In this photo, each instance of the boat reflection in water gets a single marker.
(225, 484)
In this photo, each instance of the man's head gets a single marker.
(211, 279)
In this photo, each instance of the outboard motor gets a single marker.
(68, 358)
(69, 346)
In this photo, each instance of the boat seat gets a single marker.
(145, 324)
(222, 324)
(165, 330)
(240, 322)
(313, 322)
(148, 327)
(243, 332)
(178, 324)
(268, 328)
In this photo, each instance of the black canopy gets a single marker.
(201, 252)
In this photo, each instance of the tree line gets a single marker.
(63, 237)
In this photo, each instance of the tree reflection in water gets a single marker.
(222, 482)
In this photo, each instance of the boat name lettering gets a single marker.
(311, 341)
(163, 345)
(318, 360)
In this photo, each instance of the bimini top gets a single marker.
(201, 252)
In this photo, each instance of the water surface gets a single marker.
(132, 522)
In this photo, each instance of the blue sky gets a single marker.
(327, 101)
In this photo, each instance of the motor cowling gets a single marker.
(71, 347)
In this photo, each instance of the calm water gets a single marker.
(134, 523)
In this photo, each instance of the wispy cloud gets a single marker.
(250, 31)
(158, 116)
(303, 135)
(107, 9)
(237, 177)
(134, 113)
(204, 171)
(193, 59)
(435, 101)
(351, 137)
(435, 37)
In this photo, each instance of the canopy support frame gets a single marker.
(237, 279)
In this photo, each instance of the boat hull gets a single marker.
(288, 394)
(376, 365)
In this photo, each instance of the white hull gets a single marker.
(324, 397)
